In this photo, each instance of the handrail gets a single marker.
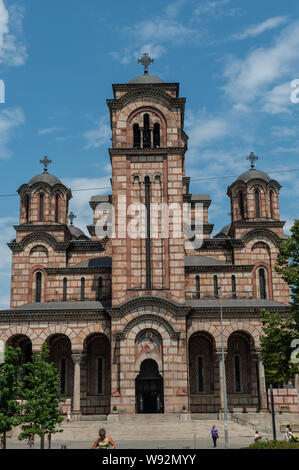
(240, 420)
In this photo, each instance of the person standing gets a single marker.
(215, 435)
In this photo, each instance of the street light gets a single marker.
(223, 375)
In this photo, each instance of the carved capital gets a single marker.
(78, 358)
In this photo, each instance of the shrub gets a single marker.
(275, 445)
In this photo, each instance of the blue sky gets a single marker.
(235, 62)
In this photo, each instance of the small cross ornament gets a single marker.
(45, 162)
(252, 159)
(72, 216)
(145, 60)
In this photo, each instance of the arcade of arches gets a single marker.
(85, 374)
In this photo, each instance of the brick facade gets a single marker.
(93, 298)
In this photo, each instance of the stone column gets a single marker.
(262, 383)
(77, 358)
(219, 359)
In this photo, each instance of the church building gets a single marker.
(134, 322)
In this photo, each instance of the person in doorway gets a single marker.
(257, 436)
(103, 441)
(215, 435)
(68, 415)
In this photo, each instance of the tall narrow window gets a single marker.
(257, 203)
(241, 202)
(136, 136)
(100, 375)
(38, 287)
(271, 204)
(262, 283)
(237, 374)
(27, 206)
(200, 374)
(156, 134)
(100, 288)
(57, 208)
(63, 376)
(234, 293)
(82, 288)
(146, 132)
(216, 286)
(64, 289)
(197, 280)
(41, 207)
(148, 232)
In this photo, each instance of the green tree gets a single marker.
(280, 330)
(278, 333)
(41, 395)
(10, 388)
(287, 264)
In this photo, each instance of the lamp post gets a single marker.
(223, 375)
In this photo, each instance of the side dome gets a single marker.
(144, 79)
(51, 180)
(253, 174)
(77, 233)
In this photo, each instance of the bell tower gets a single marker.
(148, 168)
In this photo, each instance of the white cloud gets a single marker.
(203, 130)
(98, 136)
(10, 119)
(278, 100)
(49, 130)
(215, 8)
(250, 78)
(12, 50)
(79, 203)
(255, 30)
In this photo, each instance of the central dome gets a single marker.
(144, 79)
(44, 178)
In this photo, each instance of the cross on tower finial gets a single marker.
(145, 60)
(72, 216)
(252, 158)
(45, 162)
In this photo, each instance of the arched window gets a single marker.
(63, 376)
(100, 288)
(234, 293)
(241, 202)
(216, 286)
(57, 208)
(27, 207)
(156, 134)
(197, 280)
(38, 287)
(100, 369)
(262, 283)
(257, 203)
(271, 204)
(136, 136)
(146, 132)
(237, 374)
(82, 288)
(41, 208)
(200, 374)
(64, 289)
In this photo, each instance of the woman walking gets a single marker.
(214, 434)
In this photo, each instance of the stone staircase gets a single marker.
(148, 427)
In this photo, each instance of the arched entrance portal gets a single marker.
(149, 388)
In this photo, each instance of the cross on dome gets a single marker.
(145, 60)
(72, 216)
(45, 162)
(252, 159)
